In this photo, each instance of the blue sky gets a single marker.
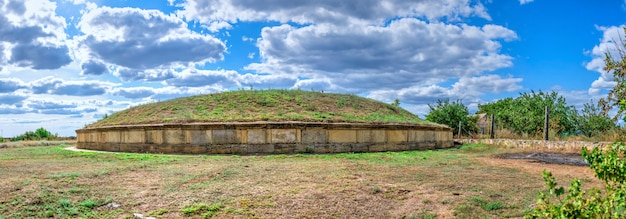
(66, 63)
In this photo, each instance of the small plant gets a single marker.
(491, 206)
(202, 209)
(158, 212)
(89, 204)
(610, 167)
(376, 190)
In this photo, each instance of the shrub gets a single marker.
(610, 167)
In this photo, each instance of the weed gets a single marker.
(158, 212)
(429, 216)
(89, 204)
(493, 206)
(376, 190)
(202, 209)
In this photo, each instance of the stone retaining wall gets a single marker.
(265, 138)
(538, 145)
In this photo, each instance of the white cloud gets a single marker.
(469, 90)
(404, 53)
(345, 12)
(32, 35)
(142, 44)
(56, 86)
(522, 2)
(611, 40)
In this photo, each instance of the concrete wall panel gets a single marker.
(283, 136)
(342, 136)
(314, 136)
(256, 136)
(397, 136)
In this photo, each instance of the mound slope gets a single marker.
(262, 105)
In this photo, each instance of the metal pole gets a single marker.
(546, 124)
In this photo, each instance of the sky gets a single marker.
(65, 64)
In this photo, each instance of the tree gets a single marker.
(525, 114)
(593, 120)
(39, 134)
(450, 113)
(617, 66)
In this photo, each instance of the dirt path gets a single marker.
(561, 165)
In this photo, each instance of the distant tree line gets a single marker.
(524, 115)
(39, 134)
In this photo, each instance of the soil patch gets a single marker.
(571, 159)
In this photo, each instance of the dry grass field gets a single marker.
(468, 182)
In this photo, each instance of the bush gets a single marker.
(450, 114)
(595, 203)
(39, 134)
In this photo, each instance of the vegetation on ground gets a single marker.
(609, 202)
(262, 105)
(39, 182)
(525, 113)
(39, 134)
(523, 117)
(450, 114)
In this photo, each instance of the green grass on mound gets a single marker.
(262, 105)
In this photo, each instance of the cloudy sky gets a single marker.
(66, 63)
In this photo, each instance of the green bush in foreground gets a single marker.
(610, 167)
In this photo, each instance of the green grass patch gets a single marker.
(262, 105)
(202, 209)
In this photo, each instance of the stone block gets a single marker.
(416, 135)
(256, 136)
(112, 136)
(261, 148)
(174, 136)
(397, 136)
(371, 136)
(342, 148)
(314, 136)
(361, 147)
(377, 147)
(225, 136)
(198, 137)
(285, 148)
(154, 136)
(342, 136)
(283, 136)
(134, 136)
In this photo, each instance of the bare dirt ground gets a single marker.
(470, 182)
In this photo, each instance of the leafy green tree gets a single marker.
(593, 120)
(525, 114)
(39, 134)
(617, 66)
(450, 113)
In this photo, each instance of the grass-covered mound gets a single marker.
(262, 105)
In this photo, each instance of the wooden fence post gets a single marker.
(459, 129)
(546, 124)
(492, 132)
